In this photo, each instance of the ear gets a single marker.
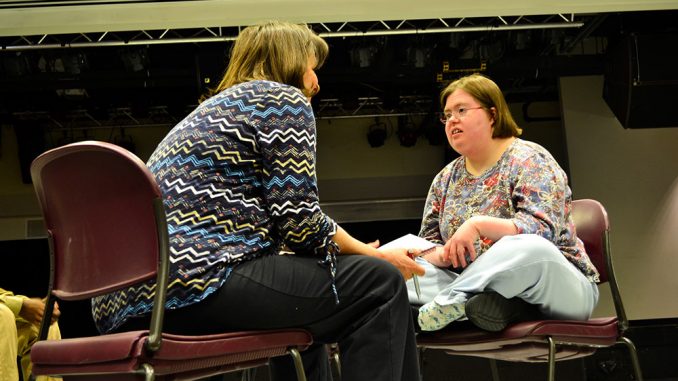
(493, 115)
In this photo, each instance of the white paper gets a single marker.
(409, 241)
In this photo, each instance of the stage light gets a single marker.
(407, 132)
(135, 60)
(73, 63)
(377, 133)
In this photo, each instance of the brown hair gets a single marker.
(275, 51)
(488, 94)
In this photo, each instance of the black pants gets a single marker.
(372, 323)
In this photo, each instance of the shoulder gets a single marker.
(271, 91)
(257, 91)
(279, 99)
(534, 161)
(523, 151)
(260, 101)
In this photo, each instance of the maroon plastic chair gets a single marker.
(107, 230)
(550, 340)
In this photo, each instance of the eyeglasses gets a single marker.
(459, 113)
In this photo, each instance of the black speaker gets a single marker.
(641, 80)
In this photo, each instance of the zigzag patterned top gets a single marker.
(238, 177)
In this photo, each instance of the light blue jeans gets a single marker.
(526, 266)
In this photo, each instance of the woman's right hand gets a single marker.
(401, 260)
(437, 257)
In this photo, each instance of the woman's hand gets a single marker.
(55, 312)
(436, 257)
(33, 309)
(400, 259)
(461, 243)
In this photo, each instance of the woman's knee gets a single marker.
(7, 319)
(8, 332)
(6, 315)
(378, 269)
(373, 275)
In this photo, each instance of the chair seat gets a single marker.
(525, 341)
(125, 351)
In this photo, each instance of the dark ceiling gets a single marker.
(155, 84)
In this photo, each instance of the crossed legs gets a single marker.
(525, 266)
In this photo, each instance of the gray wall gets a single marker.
(632, 172)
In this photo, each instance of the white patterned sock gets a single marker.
(433, 316)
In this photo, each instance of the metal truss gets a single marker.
(162, 116)
(327, 30)
(334, 108)
(114, 118)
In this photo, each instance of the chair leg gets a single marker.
(333, 350)
(634, 357)
(298, 364)
(148, 371)
(421, 351)
(249, 374)
(494, 369)
(552, 360)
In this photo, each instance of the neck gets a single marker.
(482, 161)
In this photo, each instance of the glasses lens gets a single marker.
(445, 117)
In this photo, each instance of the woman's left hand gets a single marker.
(462, 242)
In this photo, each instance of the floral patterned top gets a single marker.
(526, 186)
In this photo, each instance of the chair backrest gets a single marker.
(103, 213)
(593, 228)
(592, 225)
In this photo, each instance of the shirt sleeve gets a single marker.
(430, 223)
(287, 139)
(539, 196)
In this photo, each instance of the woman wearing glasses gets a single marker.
(501, 214)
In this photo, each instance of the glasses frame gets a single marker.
(460, 113)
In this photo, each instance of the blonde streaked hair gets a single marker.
(275, 51)
(488, 94)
